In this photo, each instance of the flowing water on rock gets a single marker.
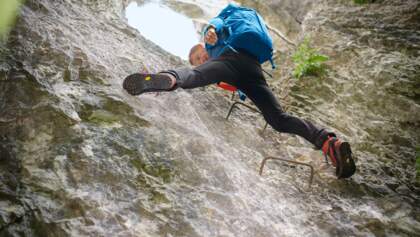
(80, 157)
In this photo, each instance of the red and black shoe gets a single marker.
(139, 83)
(340, 155)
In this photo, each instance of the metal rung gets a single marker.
(235, 105)
(289, 161)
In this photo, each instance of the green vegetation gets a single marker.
(418, 163)
(102, 117)
(158, 169)
(308, 62)
(363, 1)
(111, 112)
(8, 12)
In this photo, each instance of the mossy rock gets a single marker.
(102, 117)
(363, 1)
(159, 169)
(418, 165)
(109, 112)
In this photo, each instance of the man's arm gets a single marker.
(210, 33)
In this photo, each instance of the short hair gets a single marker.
(193, 50)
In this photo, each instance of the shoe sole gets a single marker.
(346, 166)
(138, 83)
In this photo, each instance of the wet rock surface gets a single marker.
(80, 157)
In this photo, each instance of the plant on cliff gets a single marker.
(8, 12)
(308, 61)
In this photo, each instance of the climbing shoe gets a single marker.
(139, 83)
(340, 155)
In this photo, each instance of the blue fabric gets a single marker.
(217, 23)
(241, 28)
(241, 95)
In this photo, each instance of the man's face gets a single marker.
(199, 56)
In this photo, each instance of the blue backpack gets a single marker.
(241, 28)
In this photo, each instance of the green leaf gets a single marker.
(307, 60)
(8, 13)
(319, 58)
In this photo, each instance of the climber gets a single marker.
(237, 63)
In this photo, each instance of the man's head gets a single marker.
(198, 55)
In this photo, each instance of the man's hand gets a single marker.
(211, 36)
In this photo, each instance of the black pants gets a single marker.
(244, 72)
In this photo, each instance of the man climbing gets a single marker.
(233, 55)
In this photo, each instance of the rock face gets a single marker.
(80, 157)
